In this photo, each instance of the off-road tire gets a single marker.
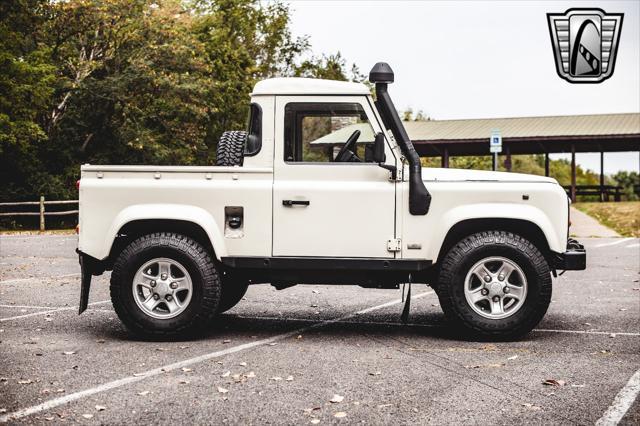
(457, 263)
(233, 290)
(230, 151)
(206, 286)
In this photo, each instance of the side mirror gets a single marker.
(378, 149)
(380, 157)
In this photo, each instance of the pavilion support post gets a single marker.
(445, 158)
(573, 173)
(507, 160)
(601, 176)
(546, 164)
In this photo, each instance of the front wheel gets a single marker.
(495, 284)
(164, 284)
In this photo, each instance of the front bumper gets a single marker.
(574, 259)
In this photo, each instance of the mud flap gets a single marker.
(85, 284)
(407, 304)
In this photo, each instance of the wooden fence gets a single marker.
(42, 213)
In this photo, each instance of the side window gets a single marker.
(254, 131)
(317, 132)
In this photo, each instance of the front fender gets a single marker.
(555, 238)
(181, 212)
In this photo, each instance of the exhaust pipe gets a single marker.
(419, 198)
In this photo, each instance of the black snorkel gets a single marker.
(419, 198)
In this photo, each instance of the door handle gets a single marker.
(290, 203)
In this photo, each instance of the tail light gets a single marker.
(78, 184)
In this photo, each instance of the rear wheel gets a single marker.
(230, 151)
(164, 284)
(495, 284)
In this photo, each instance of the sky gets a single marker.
(456, 60)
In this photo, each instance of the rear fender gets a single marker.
(178, 212)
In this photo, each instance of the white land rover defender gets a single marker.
(324, 187)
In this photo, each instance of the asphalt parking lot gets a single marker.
(282, 357)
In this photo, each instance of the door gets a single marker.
(326, 206)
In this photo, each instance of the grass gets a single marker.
(35, 232)
(623, 217)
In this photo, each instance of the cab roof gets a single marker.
(308, 86)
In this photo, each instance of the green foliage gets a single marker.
(133, 82)
(630, 181)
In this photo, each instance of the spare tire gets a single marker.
(230, 151)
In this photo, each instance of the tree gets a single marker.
(26, 78)
(133, 82)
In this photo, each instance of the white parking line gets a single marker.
(622, 402)
(50, 311)
(613, 243)
(56, 402)
(19, 280)
(397, 324)
(633, 245)
(27, 306)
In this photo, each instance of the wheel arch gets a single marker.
(191, 221)
(525, 228)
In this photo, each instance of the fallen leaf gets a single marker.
(276, 378)
(143, 393)
(100, 407)
(100, 341)
(243, 364)
(226, 341)
(272, 344)
(315, 292)
(225, 374)
(289, 378)
(87, 416)
(250, 374)
(69, 352)
(512, 357)
(485, 365)
(314, 306)
(25, 382)
(49, 418)
(138, 374)
(554, 382)
(375, 373)
(337, 398)
(160, 349)
(184, 382)
(186, 370)
(183, 347)
(299, 336)
(60, 390)
(315, 421)
(3, 410)
(531, 406)
(612, 335)
(222, 390)
(340, 414)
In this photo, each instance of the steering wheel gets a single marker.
(346, 153)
